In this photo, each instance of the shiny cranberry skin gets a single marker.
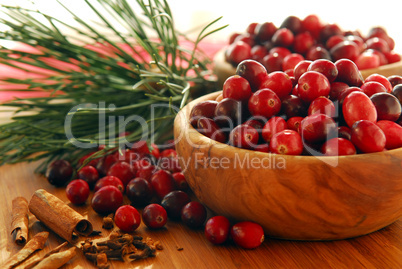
(303, 42)
(238, 52)
(173, 203)
(329, 30)
(325, 67)
(381, 79)
(255, 123)
(162, 183)
(272, 126)
(293, 23)
(313, 84)
(334, 40)
(245, 37)
(258, 52)
(344, 132)
(281, 51)
(105, 163)
(202, 109)
(336, 89)
(287, 142)
(264, 103)
(279, 82)
(345, 92)
(59, 172)
(367, 60)
(377, 43)
(367, 136)
(294, 123)
(387, 106)
(253, 71)
(89, 174)
(272, 62)
(180, 181)
(107, 200)
(228, 112)
(301, 68)
(322, 105)
(209, 128)
(397, 92)
(348, 72)
(146, 171)
(237, 88)
(127, 218)
(392, 131)
(244, 136)
(283, 38)
(345, 50)
(317, 52)
(392, 57)
(317, 128)
(77, 191)
(247, 234)
(372, 87)
(395, 80)
(338, 147)
(122, 170)
(292, 106)
(290, 61)
(265, 31)
(154, 216)
(217, 229)
(358, 106)
(139, 191)
(109, 180)
(194, 214)
(312, 24)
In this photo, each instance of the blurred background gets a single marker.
(191, 16)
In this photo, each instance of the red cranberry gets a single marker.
(272, 62)
(247, 234)
(272, 126)
(322, 105)
(162, 183)
(228, 112)
(367, 60)
(397, 92)
(392, 132)
(170, 164)
(357, 106)
(217, 229)
(107, 200)
(294, 123)
(338, 147)
(345, 92)
(251, 28)
(105, 163)
(303, 42)
(279, 82)
(283, 38)
(392, 57)
(146, 172)
(89, 174)
(290, 61)
(377, 43)
(293, 106)
(265, 31)
(243, 136)
(59, 172)
(109, 180)
(348, 72)
(381, 79)
(122, 170)
(264, 103)
(154, 216)
(194, 214)
(255, 123)
(387, 106)
(312, 24)
(329, 30)
(313, 84)
(345, 50)
(77, 191)
(301, 68)
(139, 191)
(237, 88)
(325, 67)
(367, 136)
(209, 128)
(292, 23)
(317, 128)
(173, 202)
(287, 142)
(253, 71)
(127, 218)
(281, 51)
(336, 88)
(372, 87)
(395, 80)
(258, 52)
(334, 40)
(317, 52)
(238, 52)
(202, 109)
(180, 181)
(246, 38)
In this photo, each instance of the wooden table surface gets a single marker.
(382, 249)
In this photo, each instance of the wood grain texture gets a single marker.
(224, 70)
(292, 197)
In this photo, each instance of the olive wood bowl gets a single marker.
(223, 69)
(291, 197)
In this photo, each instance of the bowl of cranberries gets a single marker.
(317, 156)
(281, 47)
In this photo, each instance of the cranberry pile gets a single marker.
(281, 48)
(326, 108)
(152, 181)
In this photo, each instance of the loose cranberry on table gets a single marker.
(107, 181)
(59, 172)
(107, 200)
(154, 216)
(77, 191)
(127, 218)
(194, 214)
(139, 191)
(217, 229)
(173, 203)
(247, 234)
(162, 183)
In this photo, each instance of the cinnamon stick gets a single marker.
(57, 260)
(19, 220)
(58, 216)
(36, 243)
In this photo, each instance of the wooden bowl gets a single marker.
(292, 197)
(223, 69)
